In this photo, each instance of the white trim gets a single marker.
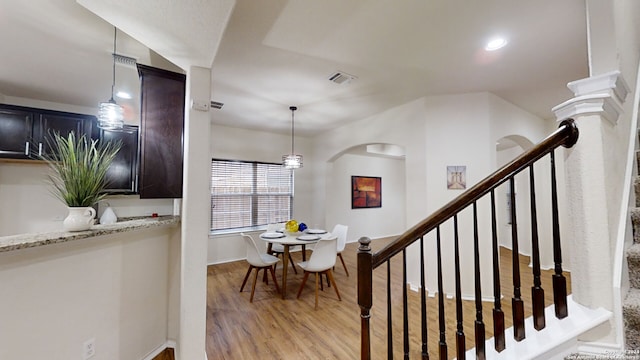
(619, 258)
(602, 103)
(555, 341)
(610, 82)
(159, 349)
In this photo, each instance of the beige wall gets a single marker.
(111, 288)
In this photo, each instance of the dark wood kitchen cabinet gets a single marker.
(24, 130)
(122, 175)
(16, 131)
(161, 132)
(62, 123)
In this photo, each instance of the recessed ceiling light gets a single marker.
(123, 95)
(495, 44)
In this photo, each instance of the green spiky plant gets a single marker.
(78, 167)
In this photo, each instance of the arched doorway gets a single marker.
(385, 161)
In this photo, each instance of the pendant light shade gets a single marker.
(110, 114)
(292, 160)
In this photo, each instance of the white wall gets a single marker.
(436, 132)
(387, 220)
(27, 206)
(111, 288)
(242, 144)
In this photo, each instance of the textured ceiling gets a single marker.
(270, 54)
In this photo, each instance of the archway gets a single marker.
(384, 161)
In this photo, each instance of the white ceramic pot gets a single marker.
(79, 219)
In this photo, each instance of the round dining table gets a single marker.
(287, 239)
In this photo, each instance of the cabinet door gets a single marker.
(161, 127)
(16, 132)
(62, 123)
(123, 172)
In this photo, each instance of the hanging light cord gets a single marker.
(292, 108)
(113, 82)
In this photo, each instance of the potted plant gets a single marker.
(77, 174)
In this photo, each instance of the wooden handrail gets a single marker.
(566, 135)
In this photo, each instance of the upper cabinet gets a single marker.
(122, 175)
(161, 132)
(62, 123)
(16, 131)
(25, 132)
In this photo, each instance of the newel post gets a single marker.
(365, 296)
(591, 178)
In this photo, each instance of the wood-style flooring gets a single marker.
(273, 328)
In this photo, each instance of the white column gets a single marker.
(195, 216)
(595, 108)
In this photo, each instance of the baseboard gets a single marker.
(558, 339)
(157, 351)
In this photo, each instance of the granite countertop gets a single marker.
(23, 241)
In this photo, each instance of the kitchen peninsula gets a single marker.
(23, 241)
(113, 285)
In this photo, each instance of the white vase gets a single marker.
(79, 219)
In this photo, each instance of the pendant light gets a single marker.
(292, 161)
(111, 115)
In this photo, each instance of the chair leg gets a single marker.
(304, 281)
(246, 277)
(273, 276)
(265, 278)
(253, 288)
(330, 274)
(320, 275)
(343, 264)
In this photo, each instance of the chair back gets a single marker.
(253, 254)
(324, 255)
(340, 231)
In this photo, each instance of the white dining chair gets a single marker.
(340, 231)
(258, 261)
(278, 249)
(321, 261)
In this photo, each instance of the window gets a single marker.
(248, 194)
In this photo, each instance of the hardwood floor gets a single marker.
(273, 328)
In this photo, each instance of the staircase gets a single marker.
(631, 305)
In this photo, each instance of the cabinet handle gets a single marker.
(26, 148)
(39, 149)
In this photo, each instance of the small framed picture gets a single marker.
(456, 177)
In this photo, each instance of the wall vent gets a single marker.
(216, 105)
(340, 78)
(124, 60)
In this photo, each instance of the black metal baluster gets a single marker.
(389, 314)
(479, 324)
(442, 348)
(423, 305)
(498, 314)
(559, 281)
(516, 302)
(537, 292)
(460, 339)
(405, 305)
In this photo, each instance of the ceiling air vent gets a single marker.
(216, 105)
(340, 78)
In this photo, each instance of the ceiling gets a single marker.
(268, 55)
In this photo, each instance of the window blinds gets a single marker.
(247, 194)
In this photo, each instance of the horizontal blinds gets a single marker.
(246, 194)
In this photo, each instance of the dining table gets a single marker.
(288, 239)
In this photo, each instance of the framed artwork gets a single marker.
(366, 192)
(456, 177)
